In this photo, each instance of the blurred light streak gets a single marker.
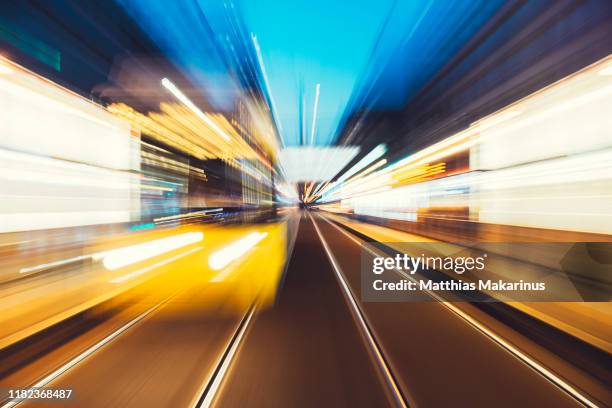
(183, 98)
(447, 147)
(191, 44)
(370, 169)
(6, 244)
(262, 66)
(353, 64)
(435, 152)
(262, 159)
(308, 190)
(316, 194)
(303, 117)
(118, 258)
(286, 191)
(36, 304)
(315, 109)
(503, 159)
(408, 27)
(179, 127)
(75, 164)
(187, 215)
(47, 265)
(146, 269)
(413, 175)
(295, 54)
(374, 154)
(223, 257)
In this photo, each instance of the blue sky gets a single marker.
(365, 54)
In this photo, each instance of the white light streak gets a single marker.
(221, 258)
(187, 102)
(118, 258)
(366, 160)
(141, 271)
(279, 125)
(314, 114)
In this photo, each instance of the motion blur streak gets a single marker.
(235, 250)
(196, 195)
(121, 257)
(502, 160)
(73, 147)
(49, 378)
(181, 97)
(138, 272)
(502, 181)
(529, 361)
(30, 306)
